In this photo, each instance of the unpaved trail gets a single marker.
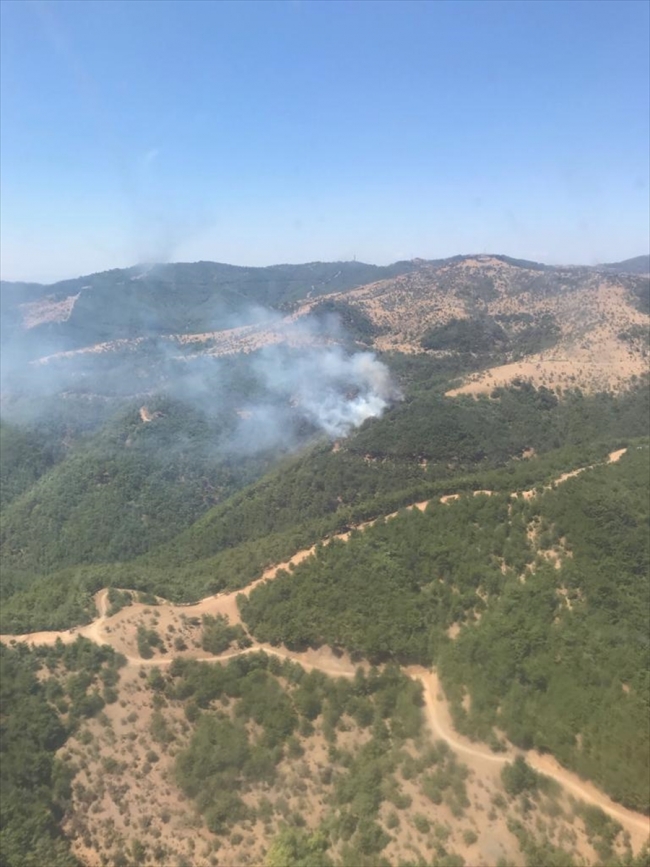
(441, 725)
(333, 665)
(440, 720)
(323, 660)
(95, 630)
(226, 603)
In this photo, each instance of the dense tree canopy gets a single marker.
(556, 657)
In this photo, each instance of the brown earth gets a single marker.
(120, 794)
(47, 310)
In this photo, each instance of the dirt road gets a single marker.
(440, 723)
(325, 660)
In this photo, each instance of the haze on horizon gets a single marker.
(258, 133)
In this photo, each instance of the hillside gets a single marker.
(156, 300)
(165, 490)
(342, 770)
(551, 326)
(509, 319)
(637, 265)
(343, 561)
(309, 769)
(146, 475)
(525, 604)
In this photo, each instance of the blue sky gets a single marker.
(257, 133)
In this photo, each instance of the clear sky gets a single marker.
(291, 131)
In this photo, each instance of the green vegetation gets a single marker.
(391, 591)
(509, 335)
(125, 489)
(487, 431)
(150, 506)
(639, 288)
(24, 457)
(223, 760)
(601, 830)
(564, 655)
(217, 635)
(336, 315)
(465, 335)
(117, 600)
(636, 334)
(34, 786)
(556, 653)
(294, 847)
(519, 777)
(36, 717)
(148, 641)
(636, 265)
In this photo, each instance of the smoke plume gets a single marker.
(334, 391)
(269, 381)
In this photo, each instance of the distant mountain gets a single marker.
(637, 265)
(120, 333)
(554, 326)
(179, 298)
(166, 299)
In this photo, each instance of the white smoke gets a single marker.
(296, 377)
(338, 392)
(335, 391)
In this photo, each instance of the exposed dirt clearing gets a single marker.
(114, 805)
(47, 310)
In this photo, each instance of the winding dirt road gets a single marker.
(439, 720)
(102, 631)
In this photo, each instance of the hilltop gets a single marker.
(637, 265)
(554, 326)
(180, 298)
(551, 326)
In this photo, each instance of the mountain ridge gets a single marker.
(636, 265)
(553, 325)
(125, 467)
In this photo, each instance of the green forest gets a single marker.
(159, 507)
(554, 657)
(516, 334)
(37, 715)
(533, 610)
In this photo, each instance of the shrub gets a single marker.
(519, 777)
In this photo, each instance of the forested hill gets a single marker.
(156, 505)
(535, 611)
(165, 299)
(637, 265)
